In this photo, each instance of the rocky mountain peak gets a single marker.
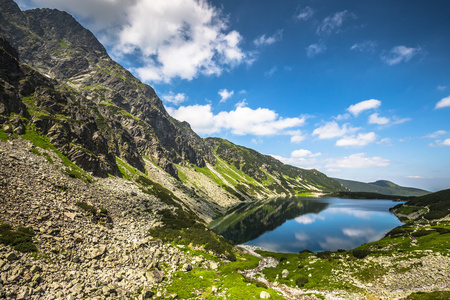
(127, 116)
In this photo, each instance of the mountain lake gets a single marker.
(316, 224)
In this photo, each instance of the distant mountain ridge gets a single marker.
(383, 187)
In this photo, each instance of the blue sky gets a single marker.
(356, 89)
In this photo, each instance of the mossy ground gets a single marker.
(231, 284)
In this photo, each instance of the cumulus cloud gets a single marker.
(357, 161)
(297, 138)
(173, 38)
(305, 14)
(359, 107)
(300, 157)
(269, 40)
(400, 54)
(441, 87)
(241, 121)
(362, 139)
(332, 130)
(304, 153)
(376, 119)
(315, 49)
(176, 99)
(333, 23)
(444, 102)
(225, 95)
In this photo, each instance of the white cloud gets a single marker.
(440, 143)
(398, 120)
(242, 103)
(225, 94)
(305, 14)
(436, 134)
(375, 119)
(341, 117)
(241, 121)
(359, 107)
(332, 23)
(444, 102)
(362, 139)
(366, 46)
(263, 40)
(357, 161)
(297, 138)
(441, 87)
(332, 130)
(304, 153)
(315, 49)
(200, 117)
(175, 98)
(400, 54)
(173, 38)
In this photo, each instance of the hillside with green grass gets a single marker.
(383, 187)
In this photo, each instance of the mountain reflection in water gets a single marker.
(319, 224)
(248, 221)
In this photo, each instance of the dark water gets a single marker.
(318, 224)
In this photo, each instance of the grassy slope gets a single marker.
(382, 187)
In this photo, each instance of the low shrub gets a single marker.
(422, 233)
(20, 239)
(301, 281)
(324, 254)
(86, 207)
(258, 284)
(442, 230)
(360, 253)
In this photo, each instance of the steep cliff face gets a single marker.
(129, 117)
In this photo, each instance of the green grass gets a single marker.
(441, 295)
(3, 136)
(187, 285)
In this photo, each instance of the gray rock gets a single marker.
(11, 256)
(154, 275)
(284, 274)
(186, 268)
(264, 295)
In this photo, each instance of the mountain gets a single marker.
(106, 112)
(62, 91)
(383, 187)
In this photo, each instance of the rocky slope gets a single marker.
(62, 84)
(80, 254)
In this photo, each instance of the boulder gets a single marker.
(264, 295)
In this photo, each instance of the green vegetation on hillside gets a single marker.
(383, 187)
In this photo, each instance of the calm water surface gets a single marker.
(341, 224)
